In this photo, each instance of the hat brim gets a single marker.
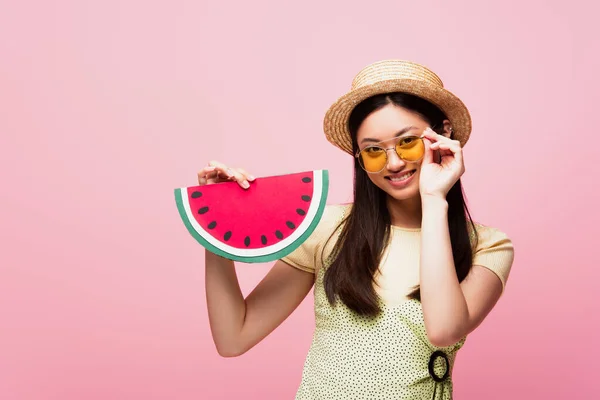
(335, 123)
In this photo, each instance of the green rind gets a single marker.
(266, 257)
(180, 207)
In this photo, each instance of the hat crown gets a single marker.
(394, 69)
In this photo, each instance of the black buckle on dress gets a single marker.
(432, 359)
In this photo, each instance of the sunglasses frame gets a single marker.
(398, 139)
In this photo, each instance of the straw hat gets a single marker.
(395, 76)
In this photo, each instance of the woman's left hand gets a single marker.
(437, 179)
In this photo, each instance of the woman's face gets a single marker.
(399, 179)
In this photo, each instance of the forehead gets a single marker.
(387, 121)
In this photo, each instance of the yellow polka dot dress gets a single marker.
(388, 356)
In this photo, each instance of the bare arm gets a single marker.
(238, 324)
(451, 309)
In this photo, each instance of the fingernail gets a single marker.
(229, 172)
(245, 185)
(251, 177)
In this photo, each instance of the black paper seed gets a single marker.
(306, 198)
(279, 235)
(263, 239)
(301, 211)
(212, 225)
(247, 241)
(196, 194)
(290, 225)
(203, 210)
(306, 180)
(227, 235)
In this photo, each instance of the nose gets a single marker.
(395, 163)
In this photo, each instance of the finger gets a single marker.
(240, 178)
(217, 177)
(248, 176)
(217, 164)
(214, 177)
(203, 174)
(457, 150)
(225, 174)
(213, 174)
(435, 137)
(230, 174)
(453, 147)
(453, 150)
(224, 170)
(428, 157)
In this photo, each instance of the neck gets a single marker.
(405, 213)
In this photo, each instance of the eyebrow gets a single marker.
(399, 133)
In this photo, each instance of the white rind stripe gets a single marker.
(308, 218)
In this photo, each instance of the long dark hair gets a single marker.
(366, 230)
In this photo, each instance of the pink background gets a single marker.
(107, 106)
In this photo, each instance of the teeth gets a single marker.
(402, 177)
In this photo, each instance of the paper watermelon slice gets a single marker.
(263, 223)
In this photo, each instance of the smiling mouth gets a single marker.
(400, 178)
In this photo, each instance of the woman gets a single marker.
(402, 275)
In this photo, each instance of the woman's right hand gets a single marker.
(217, 172)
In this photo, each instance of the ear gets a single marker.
(447, 129)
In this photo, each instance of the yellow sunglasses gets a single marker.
(374, 158)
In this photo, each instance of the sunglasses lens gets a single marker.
(410, 148)
(373, 159)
